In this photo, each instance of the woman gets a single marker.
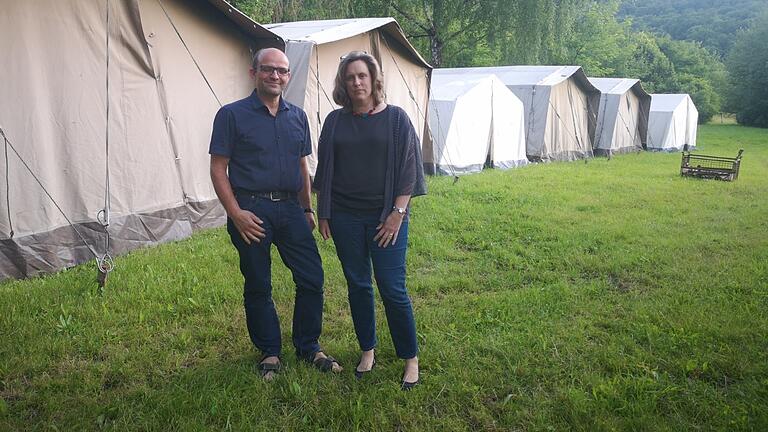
(369, 167)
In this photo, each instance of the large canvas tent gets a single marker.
(135, 155)
(622, 120)
(474, 120)
(672, 122)
(315, 48)
(561, 108)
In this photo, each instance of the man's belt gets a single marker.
(272, 196)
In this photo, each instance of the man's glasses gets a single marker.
(268, 70)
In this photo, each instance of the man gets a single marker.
(259, 169)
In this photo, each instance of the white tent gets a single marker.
(474, 120)
(170, 65)
(672, 122)
(314, 49)
(622, 121)
(560, 108)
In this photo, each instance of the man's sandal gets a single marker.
(266, 368)
(324, 364)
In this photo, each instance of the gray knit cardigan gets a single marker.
(404, 172)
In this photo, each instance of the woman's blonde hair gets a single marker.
(340, 95)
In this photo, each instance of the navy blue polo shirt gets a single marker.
(264, 151)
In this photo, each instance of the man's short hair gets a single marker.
(256, 58)
(258, 54)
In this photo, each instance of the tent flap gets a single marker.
(171, 64)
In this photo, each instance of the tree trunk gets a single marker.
(436, 49)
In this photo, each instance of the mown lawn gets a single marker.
(608, 295)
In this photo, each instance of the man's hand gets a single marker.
(325, 229)
(247, 223)
(249, 226)
(310, 220)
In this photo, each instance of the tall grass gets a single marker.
(607, 295)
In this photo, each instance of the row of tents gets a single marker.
(107, 108)
(507, 116)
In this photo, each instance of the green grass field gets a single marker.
(608, 295)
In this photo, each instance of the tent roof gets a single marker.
(613, 85)
(619, 86)
(527, 75)
(326, 31)
(246, 24)
(667, 102)
(449, 87)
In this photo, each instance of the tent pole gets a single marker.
(421, 112)
(7, 184)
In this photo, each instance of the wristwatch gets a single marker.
(400, 210)
(309, 210)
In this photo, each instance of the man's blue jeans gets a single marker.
(286, 226)
(353, 236)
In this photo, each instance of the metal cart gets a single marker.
(710, 167)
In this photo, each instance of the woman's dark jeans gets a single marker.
(353, 235)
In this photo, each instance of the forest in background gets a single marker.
(712, 50)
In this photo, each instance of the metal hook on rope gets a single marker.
(104, 265)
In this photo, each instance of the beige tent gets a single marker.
(622, 122)
(672, 123)
(560, 108)
(71, 162)
(476, 121)
(315, 47)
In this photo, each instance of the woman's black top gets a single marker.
(403, 172)
(360, 161)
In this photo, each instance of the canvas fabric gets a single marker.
(474, 121)
(315, 48)
(160, 115)
(622, 122)
(560, 108)
(672, 122)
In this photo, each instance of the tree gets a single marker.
(599, 43)
(650, 65)
(450, 27)
(748, 68)
(711, 22)
(698, 72)
(259, 10)
(534, 31)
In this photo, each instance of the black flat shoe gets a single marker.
(408, 386)
(359, 374)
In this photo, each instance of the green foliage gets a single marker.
(748, 65)
(698, 72)
(612, 295)
(534, 31)
(650, 65)
(599, 43)
(710, 22)
(259, 10)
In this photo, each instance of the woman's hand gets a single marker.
(389, 230)
(324, 228)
